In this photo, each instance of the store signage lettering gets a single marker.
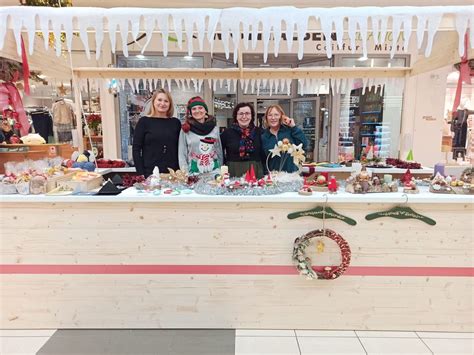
(221, 104)
(319, 36)
(320, 41)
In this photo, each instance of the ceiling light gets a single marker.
(188, 57)
(140, 56)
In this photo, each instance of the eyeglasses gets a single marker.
(241, 114)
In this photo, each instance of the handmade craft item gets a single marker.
(303, 262)
(323, 212)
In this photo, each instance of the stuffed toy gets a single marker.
(83, 160)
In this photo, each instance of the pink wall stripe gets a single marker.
(228, 270)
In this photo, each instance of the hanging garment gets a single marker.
(42, 123)
(63, 113)
(459, 127)
(64, 132)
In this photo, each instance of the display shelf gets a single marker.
(132, 195)
(370, 112)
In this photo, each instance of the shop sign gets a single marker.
(314, 43)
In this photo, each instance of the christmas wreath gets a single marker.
(303, 262)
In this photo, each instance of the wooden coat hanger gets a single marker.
(401, 212)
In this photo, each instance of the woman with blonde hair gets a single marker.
(278, 127)
(155, 142)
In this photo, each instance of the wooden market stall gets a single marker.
(194, 261)
(200, 261)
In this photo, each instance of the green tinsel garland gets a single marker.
(50, 3)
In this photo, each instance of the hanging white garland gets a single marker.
(234, 24)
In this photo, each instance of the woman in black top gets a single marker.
(241, 142)
(155, 142)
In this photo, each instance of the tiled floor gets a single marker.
(271, 342)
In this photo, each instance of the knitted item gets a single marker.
(193, 101)
(247, 137)
(196, 101)
(201, 129)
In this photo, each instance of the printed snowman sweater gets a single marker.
(200, 153)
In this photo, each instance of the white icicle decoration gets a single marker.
(3, 28)
(326, 27)
(301, 86)
(433, 25)
(246, 81)
(232, 22)
(277, 85)
(302, 27)
(270, 84)
(462, 21)
(364, 84)
(288, 86)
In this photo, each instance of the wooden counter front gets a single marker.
(168, 262)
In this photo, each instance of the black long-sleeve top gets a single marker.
(230, 140)
(155, 143)
(43, 123)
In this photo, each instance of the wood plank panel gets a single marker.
(208, 301)
(226, 234)
(230, 234)
(245, 246)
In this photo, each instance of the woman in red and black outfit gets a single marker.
(241, 142)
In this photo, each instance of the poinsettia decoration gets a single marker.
(93, 121)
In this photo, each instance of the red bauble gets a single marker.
(332, 186)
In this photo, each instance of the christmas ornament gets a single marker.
(303, 262)
(280, 183)
(62, 91)
(305, 191)
(332, 185)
